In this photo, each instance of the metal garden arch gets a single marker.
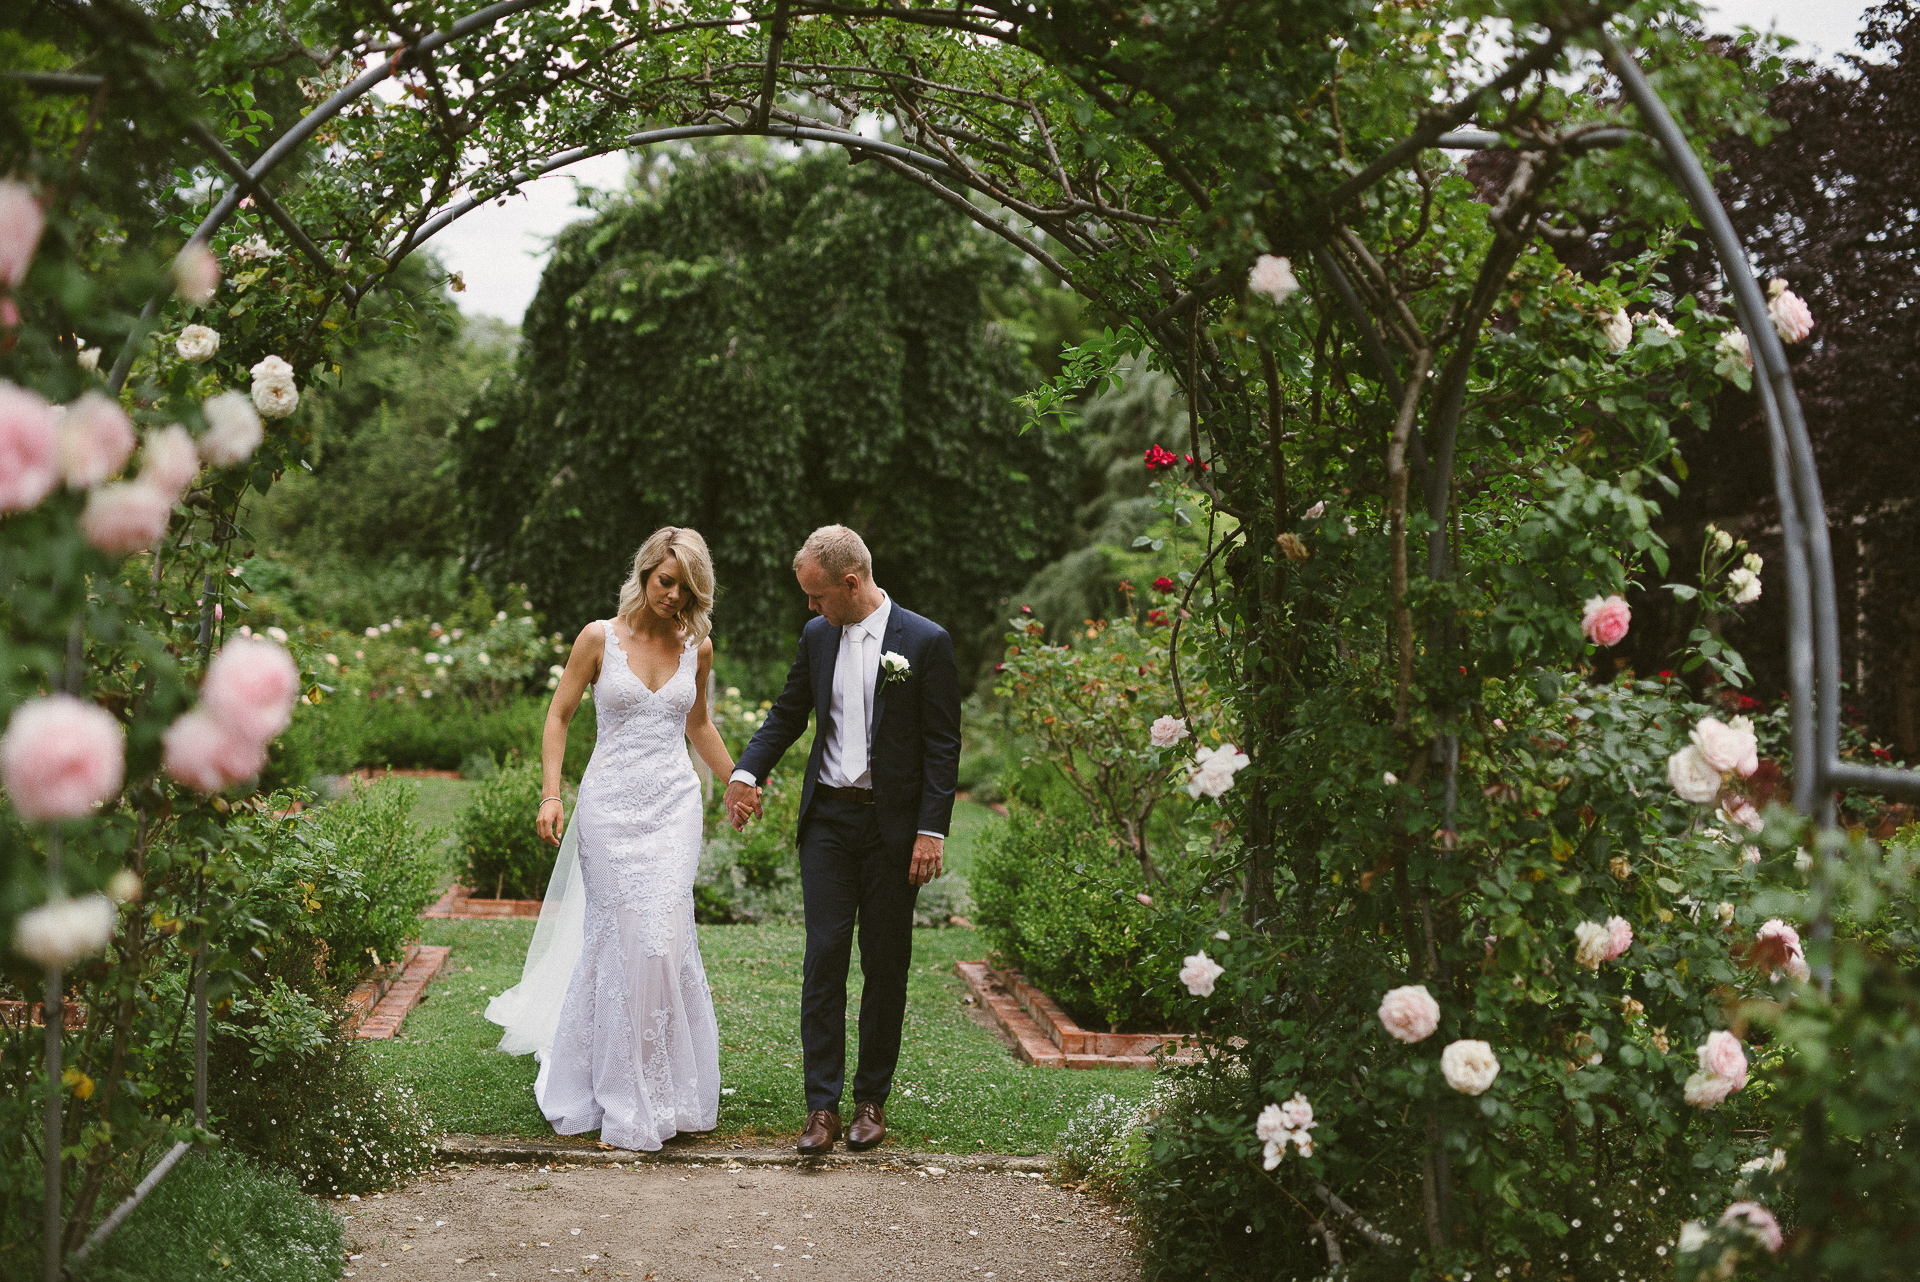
(1813, 629)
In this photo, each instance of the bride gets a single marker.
(613, 1000)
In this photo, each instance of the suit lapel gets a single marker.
(895, 638)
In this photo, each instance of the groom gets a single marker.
(873, 814)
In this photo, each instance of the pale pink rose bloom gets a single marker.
(1409, 1014)
(29, 449)
(1144, 898)
(1739, 810)
(1705, 1090)
(1590, 941)
(1297, 1114)
(1213, 770)
(1618, 330)
(233, 430)
(21, 222)
(250, 688)
(1749, 854)
(276, 398)
(1776, 938)
(1271, 1124)
(126, 517)
(1791, 318)
(196, 273)
(1757, 1222)
(1693, 777)
(1167, 731)
(1734, 343)
(1619, 937)
(96, 440)
(1605, 620)
(1722, 1055)
(207, 756)
(1315, 512)
(171, 462)
(64, 930)
(61, 757)
(1469, 1066)
(1273, 277)
(1751, 762)
(1725, 748)
(1199, 974)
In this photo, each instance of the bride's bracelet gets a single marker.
(545, 800)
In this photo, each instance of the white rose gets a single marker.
(1213, 770)
(1590, 944)
(1722, 540)
(1693, 1236)
(275, 398)
(1726, 747)
(1745, 584)
(1618, 329)
(197, 344)
(1167, 731)
(1199, 973)
(1691, 776)
(1273, 277)
(89, 359)
(233, 430)
(64, 931)
(271, 368)
(1469, 1066)
(1734, 343)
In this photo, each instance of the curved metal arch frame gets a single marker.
(1812, 615)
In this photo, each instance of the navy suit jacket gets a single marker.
(915, 755)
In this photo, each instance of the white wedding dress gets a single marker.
(613, 999)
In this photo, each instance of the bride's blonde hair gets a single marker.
(696, 572)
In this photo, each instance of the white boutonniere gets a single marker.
(894, 667)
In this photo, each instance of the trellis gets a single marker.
(1813, 630)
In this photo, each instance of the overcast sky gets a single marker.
(500, 249)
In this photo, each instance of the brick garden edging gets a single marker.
(382, 1002)
(458, 904)
(1046, 1036)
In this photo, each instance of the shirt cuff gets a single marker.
(741, 776)
(941, 835)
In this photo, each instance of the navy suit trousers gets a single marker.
(852, 879)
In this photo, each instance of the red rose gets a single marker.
(1163, 584)
(1157, 458)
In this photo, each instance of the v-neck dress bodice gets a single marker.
(637, 1051)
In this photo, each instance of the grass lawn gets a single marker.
(958, 1088)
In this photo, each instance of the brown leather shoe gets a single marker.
(869, 1126)
(823, 1128)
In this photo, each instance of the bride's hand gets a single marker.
(552, 821)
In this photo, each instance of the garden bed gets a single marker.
(1046, 1036)
(458, 904)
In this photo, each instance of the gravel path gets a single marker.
(683, 1223)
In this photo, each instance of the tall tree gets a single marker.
(757, 350)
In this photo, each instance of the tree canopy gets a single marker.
(760, 349)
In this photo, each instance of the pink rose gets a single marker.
(1619, 937)
(1726, 748)
(1199, 973)
(21, 222)
(1791, 318)
(1167, 731)
(1296, 1114)
(1757, 1222)
(1722, 1056)
(1272, 277)
(29, 448)
(1605, 620)
(1750, 762)
(196, 273)
(1704, 1090)
(171, 461)
(61, 757)
(1776, 947)
(1409, 1014)
(207, 756)
(96, 440)
(250, 688)
(1739, 810)
(127, 517)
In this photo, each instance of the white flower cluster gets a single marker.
(274, 393)
(1213, 770)
(1282, 1124)
(1719, 751)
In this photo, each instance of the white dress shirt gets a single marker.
(872, 635)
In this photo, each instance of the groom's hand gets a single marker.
(926, 859)
(742, 802)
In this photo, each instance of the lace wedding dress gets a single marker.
(632, 1049)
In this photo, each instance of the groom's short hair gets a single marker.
(838, 551)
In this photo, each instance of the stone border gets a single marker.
(1047, 1037)
(488, 1150)
(381, 1004)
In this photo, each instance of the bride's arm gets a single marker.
(701, 731)
(583, 665)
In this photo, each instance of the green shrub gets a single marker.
(346, 732)
(220, 1216)
(1057, 899)
(754, 876)
(371, 830)
(501, 853)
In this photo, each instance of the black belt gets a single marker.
(858, 796)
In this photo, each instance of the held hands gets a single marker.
(926, 859)
(552, 821)
(742, 802)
